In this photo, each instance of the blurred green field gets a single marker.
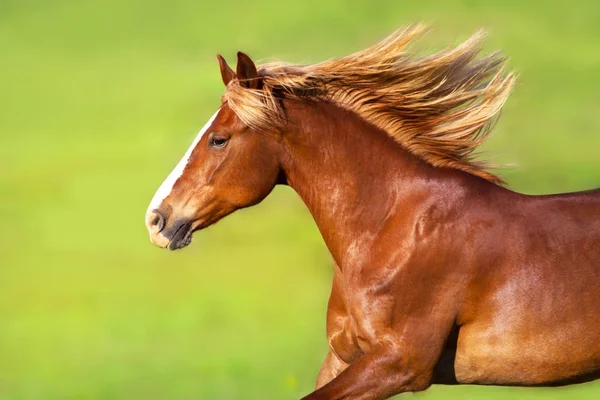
(99, 100)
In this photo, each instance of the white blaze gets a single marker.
(166, 187)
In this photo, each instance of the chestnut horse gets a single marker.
(442, 275)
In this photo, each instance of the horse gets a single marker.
(441, 273)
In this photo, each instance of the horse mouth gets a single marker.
(181, 238)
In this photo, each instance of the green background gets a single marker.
(100, 99)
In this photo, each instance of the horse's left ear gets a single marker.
(227, 73)
(246, 72)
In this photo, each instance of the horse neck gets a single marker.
(350, 174)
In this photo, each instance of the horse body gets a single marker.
(533, 318)
(441, 275)
(431, 228)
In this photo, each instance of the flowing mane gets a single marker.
(439, 107)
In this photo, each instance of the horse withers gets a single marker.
(442, 275)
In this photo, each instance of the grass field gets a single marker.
(99, 100)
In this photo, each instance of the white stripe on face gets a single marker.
(165, 189)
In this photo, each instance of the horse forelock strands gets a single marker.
(439, 107)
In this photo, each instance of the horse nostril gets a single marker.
(157, 221)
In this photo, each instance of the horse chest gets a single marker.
(351, 330)
(344, 342)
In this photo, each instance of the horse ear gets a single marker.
(246, 72)
(227, 73)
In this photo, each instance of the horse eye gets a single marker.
(216, 141)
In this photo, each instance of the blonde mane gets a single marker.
(439, 107)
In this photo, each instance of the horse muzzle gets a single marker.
(172, 235)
